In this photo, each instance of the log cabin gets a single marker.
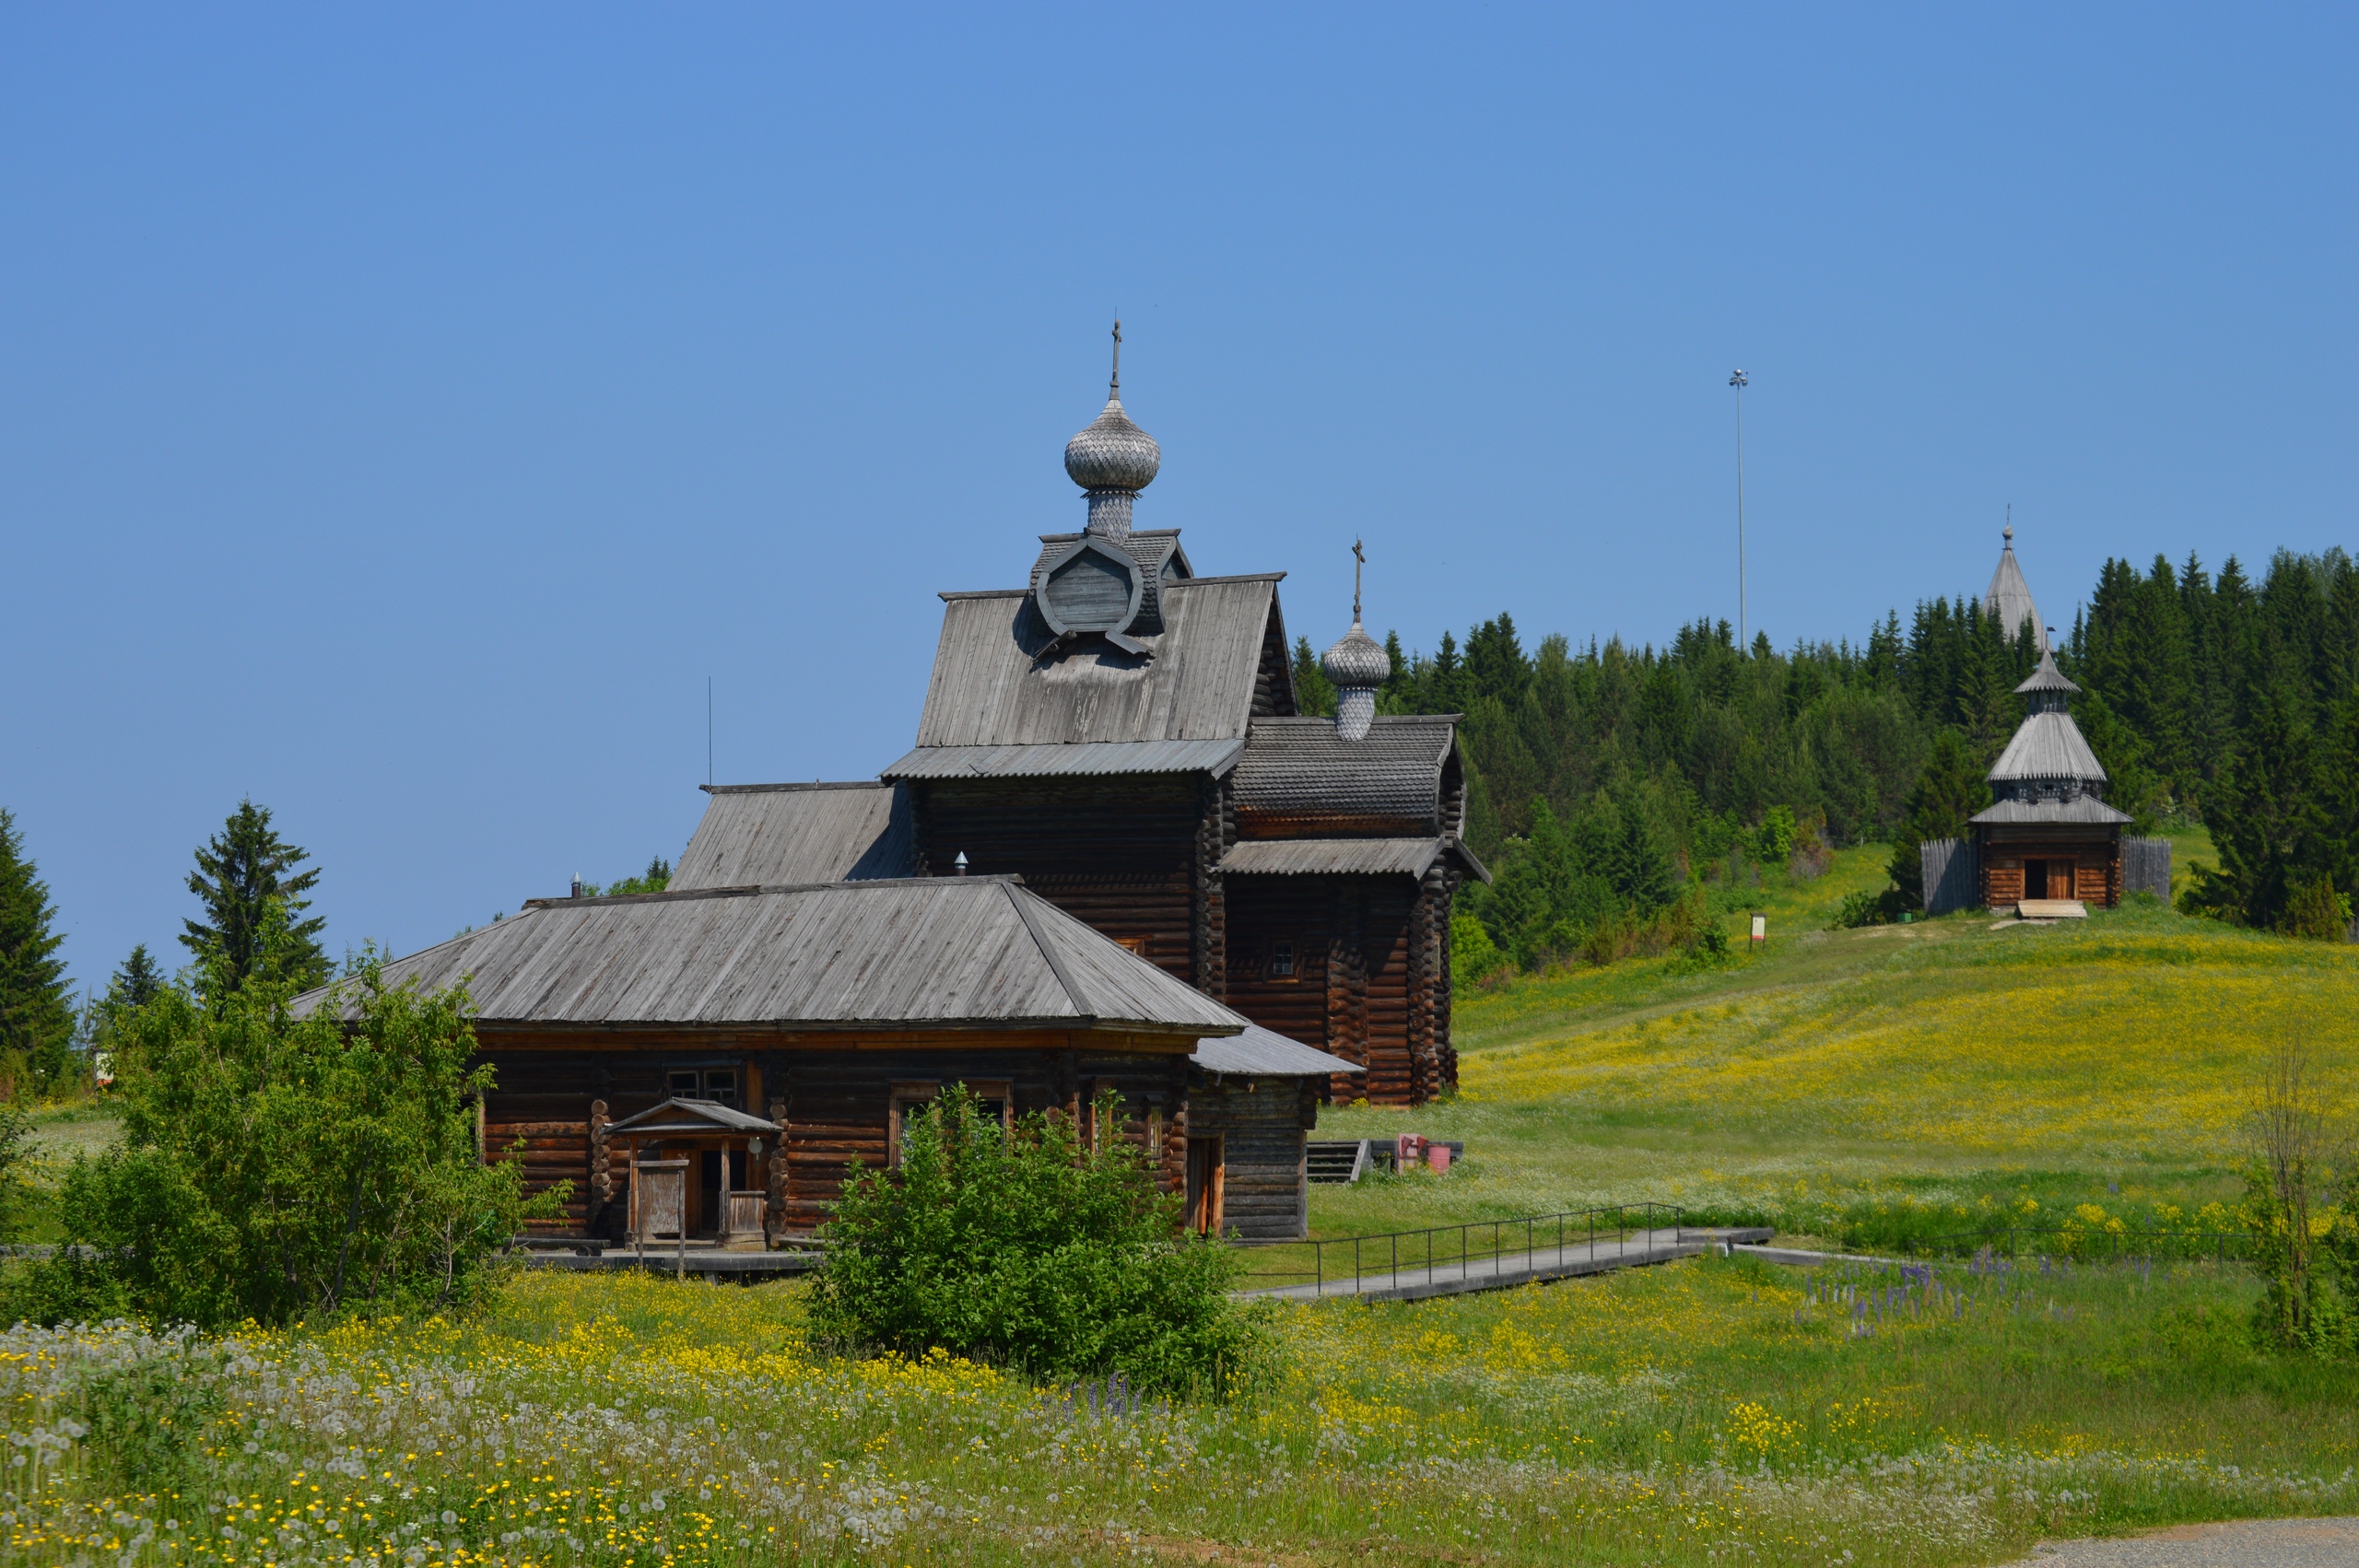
(1123, 735)
(746, 1045)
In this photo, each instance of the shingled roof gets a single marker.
(1346, 857)
(779, 834)
(939, 952)
(2086, 809)
(2010, 596)
(991, 687)
(2047, 745)
(1299, 777)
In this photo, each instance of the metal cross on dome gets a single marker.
(1359, 559)
(1117, 383)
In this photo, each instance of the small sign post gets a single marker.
(1760, 930)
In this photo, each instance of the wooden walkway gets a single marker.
(1503, 1271)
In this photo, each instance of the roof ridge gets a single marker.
(753, 889)
(814, 784)
(1235, 576)
(1083, 1015)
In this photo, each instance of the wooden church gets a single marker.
(1118, 869)
(2048, 839)
(1121, 734)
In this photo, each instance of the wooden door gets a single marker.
(2059, 879)
(659, 1198)
(1205, 1174)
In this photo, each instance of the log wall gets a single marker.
(835, 1105)
(1124, 855)
(1263, 1124)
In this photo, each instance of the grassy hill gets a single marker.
(1877, 1084)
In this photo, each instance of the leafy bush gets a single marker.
(1023, 1248)
(275, 1167)
(1473, 956)
(1864, 908)
(1774, 839)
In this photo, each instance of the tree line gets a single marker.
(1606, 778)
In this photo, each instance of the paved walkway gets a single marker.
(2246, 1543)
(1414, 1281)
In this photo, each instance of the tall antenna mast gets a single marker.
(1739, 380)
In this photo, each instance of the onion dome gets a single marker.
(1112, 453)
(1357, 666)
(1356, 660)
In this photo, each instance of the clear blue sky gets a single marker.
(404, 411)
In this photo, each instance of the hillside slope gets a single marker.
(1880, 1083)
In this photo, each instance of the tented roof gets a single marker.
(2046, 746)
(2010, 596)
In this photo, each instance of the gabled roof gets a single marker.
(1265, 1053)
(771, 835)
(1299, 777)
(2046, 746)
(2010, 596)
(1346, 857)
(930, 952)
(678, 1115)
(990, 688)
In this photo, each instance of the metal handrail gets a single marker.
(1576, 1230)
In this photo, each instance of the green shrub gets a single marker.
(1473, 956)
(1023, 1248)
(277, 1167)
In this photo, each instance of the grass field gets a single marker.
(1880, 1084)
(1702, 1413)
(1877, 1085)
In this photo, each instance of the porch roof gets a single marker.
(677, 1115)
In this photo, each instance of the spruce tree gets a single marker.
(1313, 693)
(1951, 788)
(36, 1009)
(2260, 812)
(244, 868)
(136, 983)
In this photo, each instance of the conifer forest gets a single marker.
(1605, 775)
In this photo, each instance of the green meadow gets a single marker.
(1876, 1086)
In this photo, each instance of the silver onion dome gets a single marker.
(1356, 660)
(1357, 666)
(1112, 453)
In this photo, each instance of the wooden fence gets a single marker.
(2146, 867)
(1952, 874)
